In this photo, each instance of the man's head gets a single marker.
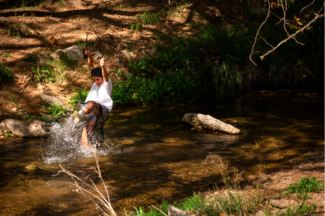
(97, 76)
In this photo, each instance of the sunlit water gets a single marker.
(150, 154)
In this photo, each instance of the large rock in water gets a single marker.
(206, 121)
(74, 53)
(30, 128)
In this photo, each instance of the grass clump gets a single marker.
(66, 62)
(301, 209)
(55, 110)
(44, 73)
(31, 58)
(17, 30)
(304, 186)
(189, 203)
(83, 44)
(61, 66)
(4, 53)
(149, 18)
(6, 75)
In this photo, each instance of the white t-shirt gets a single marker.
(101, 94)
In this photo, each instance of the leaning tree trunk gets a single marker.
(208, 122)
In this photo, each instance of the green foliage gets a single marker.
(162, 88)
(66, 62)
(5, 54)
(40, 118)
(60, 67)
(7, 133)
(82, 43)
(31, 58)
(79, 97)
(44, 73)
(304, 186)
(301, 209)
(189, 203)
(149, 18)
(6, 74)
(187, 70)
(136, 27)
(55, 110)
(61, 4)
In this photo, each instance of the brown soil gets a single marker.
(271, 183)
(52, 25)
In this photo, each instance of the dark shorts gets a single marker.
(97, 137)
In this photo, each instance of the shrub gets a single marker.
(44, 73)
(188, 70)
(55, 110)
(304, 186)
(6, 75)
(79, 97)
(162, 88)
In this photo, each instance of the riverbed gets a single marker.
(150, 155)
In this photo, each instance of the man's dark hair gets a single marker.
(96, 72)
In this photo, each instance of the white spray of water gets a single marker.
(64, 143)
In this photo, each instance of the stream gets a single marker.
(150, 155)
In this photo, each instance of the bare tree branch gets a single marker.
(258, 31)
(266, 42)
(284, 7)
(307, 6)
(293, 35)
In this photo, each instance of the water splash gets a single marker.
(64, 143)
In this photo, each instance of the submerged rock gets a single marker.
(200, 121)
(30, 128)
(31, 167)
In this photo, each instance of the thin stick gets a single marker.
(292, 36)
(307, 6)
(284, 9)
(266, 42)
(258, 31)
(96, 33)
(101, 177)
(86, 40)
(158, 210)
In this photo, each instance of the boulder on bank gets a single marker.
(96, 55)
(49, 98)
(30, 128)
(74, 52)
(208, 122)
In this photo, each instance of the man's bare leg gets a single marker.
(84, 136)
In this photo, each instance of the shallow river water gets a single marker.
(151, 155)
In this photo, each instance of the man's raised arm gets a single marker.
(90, 60)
